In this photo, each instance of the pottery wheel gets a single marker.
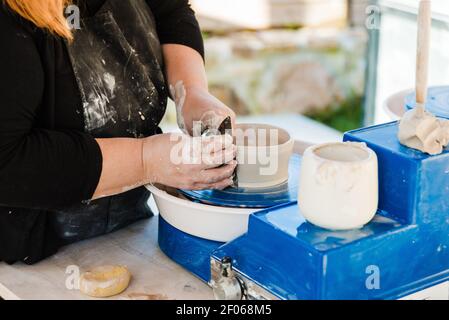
(253, 198)
(437, 104)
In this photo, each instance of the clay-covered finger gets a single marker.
(220, 157)
(218, 174)
(215, 186)
(223, 184)
(213, 144)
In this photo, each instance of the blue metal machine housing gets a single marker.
(403, 250)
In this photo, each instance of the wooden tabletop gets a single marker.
(154, 275)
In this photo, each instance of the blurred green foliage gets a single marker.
(344, 117)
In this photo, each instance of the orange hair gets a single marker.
(46, 14)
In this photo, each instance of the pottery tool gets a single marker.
(224, 128)
(423, 52)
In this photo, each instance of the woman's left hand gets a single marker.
(197, 106)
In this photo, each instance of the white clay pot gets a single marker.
(263, 154)
(339, 185)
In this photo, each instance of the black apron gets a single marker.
(117, 61)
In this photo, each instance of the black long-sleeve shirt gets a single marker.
(47, 160)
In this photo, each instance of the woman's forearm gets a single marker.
(168, 159)
(193, 101)
(184, 64)
(123, 164)
(123, 167)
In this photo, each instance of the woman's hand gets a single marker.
(183, 162)
(201, 106)
(184, 68)
(198, 109)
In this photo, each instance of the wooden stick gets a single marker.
(423, 51)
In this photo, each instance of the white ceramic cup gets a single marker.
(338, 187)
(263, 154)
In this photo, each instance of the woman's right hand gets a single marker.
(183, 162)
